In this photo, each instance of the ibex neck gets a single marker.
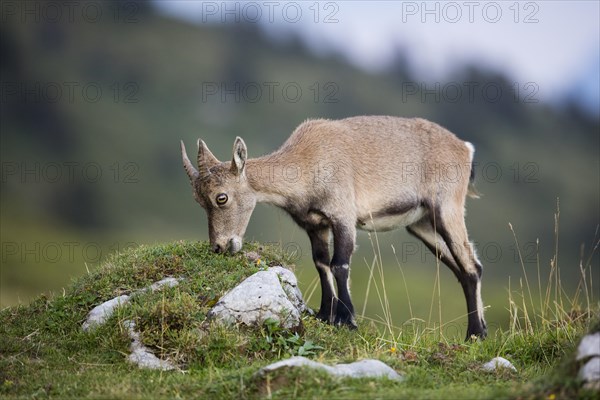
(273, 178)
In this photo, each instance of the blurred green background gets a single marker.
(97, 95)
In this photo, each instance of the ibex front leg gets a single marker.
(319, 241)
(343, 247)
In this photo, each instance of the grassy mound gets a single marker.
(45, 353)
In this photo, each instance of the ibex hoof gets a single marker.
(325, 316)
(474, 334)
(346, 321)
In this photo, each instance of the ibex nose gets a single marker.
(217, 248)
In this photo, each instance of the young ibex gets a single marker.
(374, 173)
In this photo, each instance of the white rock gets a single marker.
(102, 312)
(140, 354)
(290, 287)
(295, 362)
(168, 282)
(260, 297)
(590, 372)
(497, 363)
(358, 369)
(589, 346)
(367, 369)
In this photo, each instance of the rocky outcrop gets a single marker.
(269, 294)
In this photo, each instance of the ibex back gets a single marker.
(373, 173)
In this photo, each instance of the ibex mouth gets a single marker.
(233, 246)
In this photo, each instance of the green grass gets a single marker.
(45, 354)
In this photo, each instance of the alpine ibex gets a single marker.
(374, 173)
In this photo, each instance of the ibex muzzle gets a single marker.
(333, 177)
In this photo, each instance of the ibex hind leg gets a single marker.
(425, 232)
(450, 224)
(444, 241)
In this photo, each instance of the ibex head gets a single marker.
(222, 190)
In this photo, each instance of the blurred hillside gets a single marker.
(92, 115)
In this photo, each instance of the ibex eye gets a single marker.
(221, 199)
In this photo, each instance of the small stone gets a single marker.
(99, 314)
(358, 369)
(367, 369)
(140, 354)
(168, 282)
(498, 363)
(294, 362)
(252, 256)
(590, 372)
(589, 346)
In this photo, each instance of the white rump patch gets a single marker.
(471, 150)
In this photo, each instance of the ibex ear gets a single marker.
(192, 173)
(206, 159)
(240, 154)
